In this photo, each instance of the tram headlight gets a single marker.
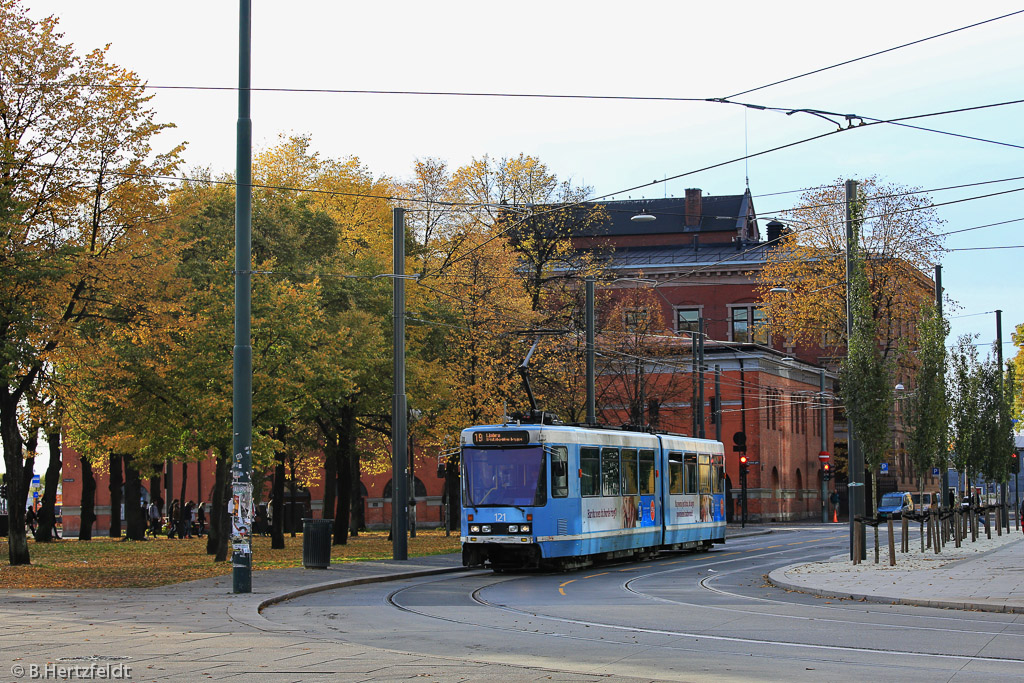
(524, 528)
(513, 528)
(474, 528)
(486, 528)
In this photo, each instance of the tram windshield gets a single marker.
(503, 476)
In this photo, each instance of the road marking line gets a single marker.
(561, 586)
(593, 575)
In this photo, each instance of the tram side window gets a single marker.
(675, 472)
(590, 472)
(718, 480)
(559, 472)
(629, 472)
(690, 460)
(646, 472)
(610, 471)
(705, 473)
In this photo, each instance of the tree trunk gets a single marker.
(88, 514)
(357, 518)
(348, 478)
(134, 513)
(47, 530)
(217, 506)
(330, 476)
(217, 541)
(116, 480)
(342, 520)
(224, 523)
(292, 489)
(181, 508)
(154, 487)
(277, 504)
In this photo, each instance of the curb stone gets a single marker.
(775, 577)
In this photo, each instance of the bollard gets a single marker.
(905, 536)
(892, 544)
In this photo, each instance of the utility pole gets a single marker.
(856, 457)
(399, 404)
(240, 507)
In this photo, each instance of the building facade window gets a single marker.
(748, 324)
(636, 319)
(687, 319)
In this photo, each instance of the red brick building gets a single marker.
(704, 254)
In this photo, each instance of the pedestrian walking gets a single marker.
(154, 518)
(173, 517)
(31, 519)
(186, 519)
(201, 519)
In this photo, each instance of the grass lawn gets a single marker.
(116, 563)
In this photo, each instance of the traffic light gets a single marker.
(826, 469)
(743, 466)
(1015, 465)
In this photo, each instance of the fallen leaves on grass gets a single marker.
(117, 563)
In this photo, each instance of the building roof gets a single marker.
(726, 213)
(739, 253)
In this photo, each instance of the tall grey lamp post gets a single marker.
(399, 404)
(240, 506)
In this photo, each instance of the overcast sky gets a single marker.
(653, 49)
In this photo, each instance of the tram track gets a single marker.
(791, 647)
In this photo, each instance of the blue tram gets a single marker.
(541, 495)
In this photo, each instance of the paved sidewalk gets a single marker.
(991, 581)
(200, 630)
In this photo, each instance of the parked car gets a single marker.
(895, 504)
(922, 501)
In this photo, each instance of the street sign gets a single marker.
(935, 471)
(35, 480)
(739, 449)
(885, 468)
(823, 457)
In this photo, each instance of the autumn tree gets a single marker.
(897, 235)
(641, 360)
(78, 195)
(926, 405)
(866, 378)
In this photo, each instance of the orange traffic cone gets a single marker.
(835, 516)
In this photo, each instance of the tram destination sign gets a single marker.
(502, 438)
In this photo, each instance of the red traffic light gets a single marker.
(743, 460)
(827, 467)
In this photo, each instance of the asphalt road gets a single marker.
(679, 617)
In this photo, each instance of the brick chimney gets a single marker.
(693, 208)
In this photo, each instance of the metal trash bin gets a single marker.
(316, 543)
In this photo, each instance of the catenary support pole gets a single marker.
(240, 507)
(944, 460)
(718, 403)
(399, 405)
(856, 456)
(700, 378)
(591, 389)
(1004, 518)
(823, 416)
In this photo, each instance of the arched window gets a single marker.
(420, 489)
(799, 485)
(775, 483)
